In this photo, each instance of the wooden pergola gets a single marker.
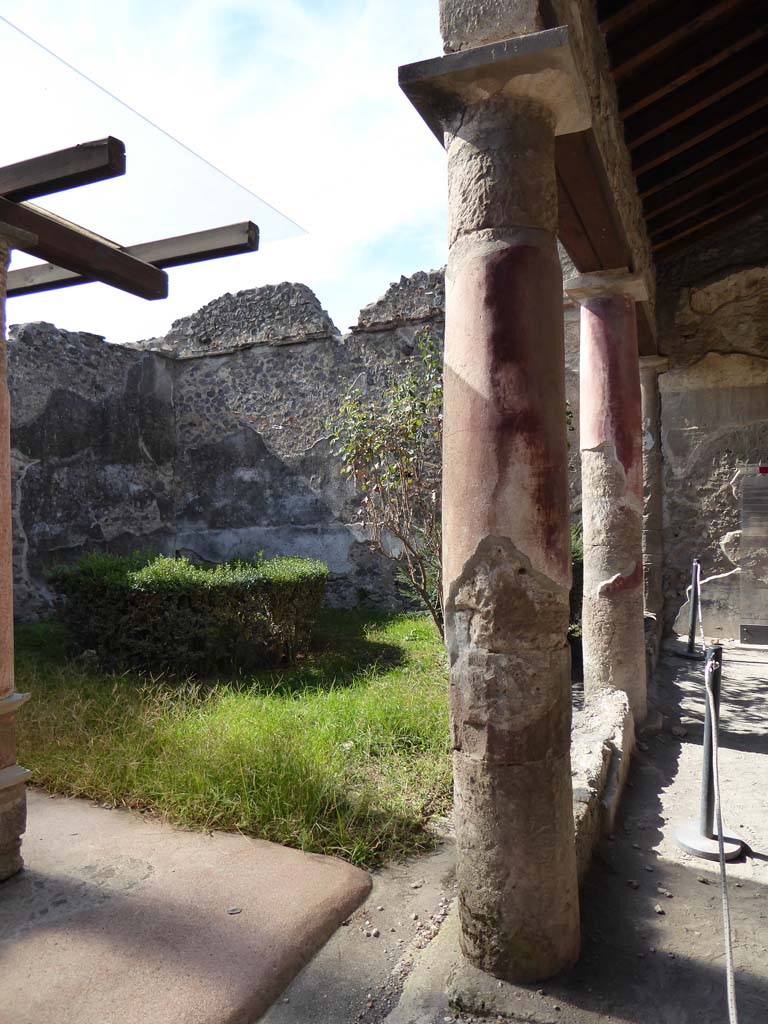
(76, 255)
(73, 255)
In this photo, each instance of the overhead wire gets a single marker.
(137, 113)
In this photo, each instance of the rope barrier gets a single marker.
(729, 970)
(705, 838)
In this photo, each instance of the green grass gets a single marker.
(344, 753)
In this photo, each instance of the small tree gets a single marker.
(390, 447)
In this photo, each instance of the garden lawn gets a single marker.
(345, 753)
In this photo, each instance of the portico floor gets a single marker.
(638, 966)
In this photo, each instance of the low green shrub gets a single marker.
(155, 614)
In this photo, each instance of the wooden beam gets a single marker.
(691, 231)
(728, 111)
(581, 175)
(696, 96)
(736, 163)
(74, 248)
(168, 252)
(713, 149)
(572, 233)
(65, 169)
(695, 57)
(14, 238)
(589, 225)
(675, 24)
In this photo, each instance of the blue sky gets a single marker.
(298, 101)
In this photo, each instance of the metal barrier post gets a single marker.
(699, 837)
(693, 610)
(690, 651)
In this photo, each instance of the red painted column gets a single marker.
(13, 806)
(507, 545)
(612, 490)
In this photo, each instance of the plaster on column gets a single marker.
(653, 498)
(612, 486)
(507, 544)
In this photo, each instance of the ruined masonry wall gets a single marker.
(210, 441)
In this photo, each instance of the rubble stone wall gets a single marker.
(713, 325)
(210, 442)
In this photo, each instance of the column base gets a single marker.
(13, 824)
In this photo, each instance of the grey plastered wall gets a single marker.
(92, 452)
(713, 324)
(210, 441)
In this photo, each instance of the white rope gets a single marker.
(729, 972)
(709, 670)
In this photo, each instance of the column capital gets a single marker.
(539, 66)
(655, 364)
(602, 284)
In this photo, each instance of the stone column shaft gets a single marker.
(653, 494)
(612, 496)
(13, 804)
(507, 544)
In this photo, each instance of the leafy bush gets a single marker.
(390, 448)
(154, 613)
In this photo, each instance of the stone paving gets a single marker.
(118, 919)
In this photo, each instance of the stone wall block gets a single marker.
(714, 422)
(468, 23)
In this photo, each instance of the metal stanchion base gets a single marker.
(690, 838)
(690, 655)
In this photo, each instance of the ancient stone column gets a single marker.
(506, 551)
(653, 496)
(507, 544)
(612, 486)
(13, 805)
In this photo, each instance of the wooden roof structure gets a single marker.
(75, 255)
(692, 82)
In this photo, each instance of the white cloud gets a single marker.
(298, 101)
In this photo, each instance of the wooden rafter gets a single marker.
(726, 112)
(694, 57)
(168, 252)
(740, 162)
(713, 149)
(698, 207)
(616, 14)
(64, 169)
(83, 252)
(697, 95)
(698, 227)
(662, 32)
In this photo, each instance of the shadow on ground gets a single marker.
(652, 928)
